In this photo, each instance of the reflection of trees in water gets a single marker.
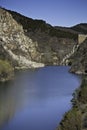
(6, 110)
(7, 103)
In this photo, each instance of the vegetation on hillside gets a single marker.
(34, 25)
(80, 28)
(82, 95)
(76, 118)
(31, 25)
(62, 34)
(6, 70)
(72, 120)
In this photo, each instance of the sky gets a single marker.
(64, 13)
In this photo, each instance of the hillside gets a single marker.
(31, 25)
(80, 28)
(79, 59)
(28, 43)
(77, 29)
(33, 39)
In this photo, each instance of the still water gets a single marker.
(36, 99)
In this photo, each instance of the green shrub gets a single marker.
(71, 121)
(6, 70)
(82, 96)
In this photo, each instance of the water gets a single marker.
(36, 99)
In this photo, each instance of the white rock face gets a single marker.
(14, 42)
(22, 61)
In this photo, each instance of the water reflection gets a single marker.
(36, 100)
(7, 104)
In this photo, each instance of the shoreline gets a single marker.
(76, 117)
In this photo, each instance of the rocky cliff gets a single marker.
(79, 59)
(18, 47)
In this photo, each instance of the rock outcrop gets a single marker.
(66, 59)
(79, 59)
(15, 44)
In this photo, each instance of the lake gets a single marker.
(37, 99)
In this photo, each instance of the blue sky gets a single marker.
(55, 12)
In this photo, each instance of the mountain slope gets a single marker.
(28, 43)
(80, 28)
(33, 41)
